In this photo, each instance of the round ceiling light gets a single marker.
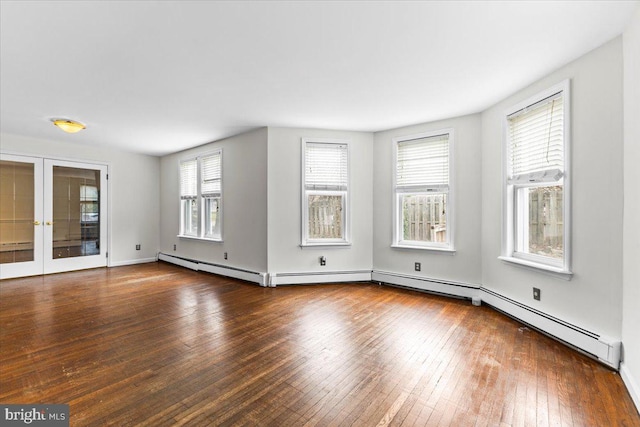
(69, 126)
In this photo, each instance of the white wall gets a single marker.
(593, 298)
(244, 206)
(631, 244)
(285, 253)
(464, 265)
(134, 192)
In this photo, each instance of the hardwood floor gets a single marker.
(159, 345)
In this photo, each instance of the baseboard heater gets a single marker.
(605, 349)
(319, 277)
(442, 287)
(223, 270)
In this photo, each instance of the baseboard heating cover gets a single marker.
(444, 287)
(319, 277)
(222, 270)
(605, 349)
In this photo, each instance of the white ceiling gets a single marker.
(157, 77)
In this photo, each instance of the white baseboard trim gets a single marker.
(605, 349)
(222, 270)
(132, 262)
(632, 385)
(445, 287)
(276, 279)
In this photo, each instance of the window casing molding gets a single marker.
(331, 192)
(444, 189)
(517, 189)
(201, 209)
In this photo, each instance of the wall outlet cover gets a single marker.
(536, 294)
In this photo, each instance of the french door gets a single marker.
(53, 216)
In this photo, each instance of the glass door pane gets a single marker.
(76, 212)
(17, 213)
(21, 230)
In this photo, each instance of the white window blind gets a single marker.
(211, 172)
(189, 179)
(423, 164)
(326, 166)
(536, 142)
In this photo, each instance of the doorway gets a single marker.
(53, 216)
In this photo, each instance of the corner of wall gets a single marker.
(630, 368)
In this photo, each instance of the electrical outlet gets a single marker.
(323, 260)
(536, 294)
(174, 247)
(418, 266)
(225, 255)
(137, 247)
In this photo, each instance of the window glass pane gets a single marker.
(325, 216)
(190, 217)
(423, 162)
(537, 137)
(212, 222)
(211, 174)
(89, 203)
(424, 217)
(188, 179)
(326, 166)
(542, 216)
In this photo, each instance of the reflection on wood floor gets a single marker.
(158, 345)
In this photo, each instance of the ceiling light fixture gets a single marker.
(69, 126)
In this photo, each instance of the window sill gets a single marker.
(343, 245)
(446, 251)
(204, 239)
(548, 269)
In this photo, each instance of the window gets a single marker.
(211, 193)
(89, 204)
(423, 196)
(201, 197)
(189, 197)
(536, 184)
(325, 192)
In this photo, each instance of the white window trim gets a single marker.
(561, 269)
(199, 201)
(448, 247)
(305, 242)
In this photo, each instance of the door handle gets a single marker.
(49, 223)
(36, 222)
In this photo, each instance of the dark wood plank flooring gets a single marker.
(158, 345)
